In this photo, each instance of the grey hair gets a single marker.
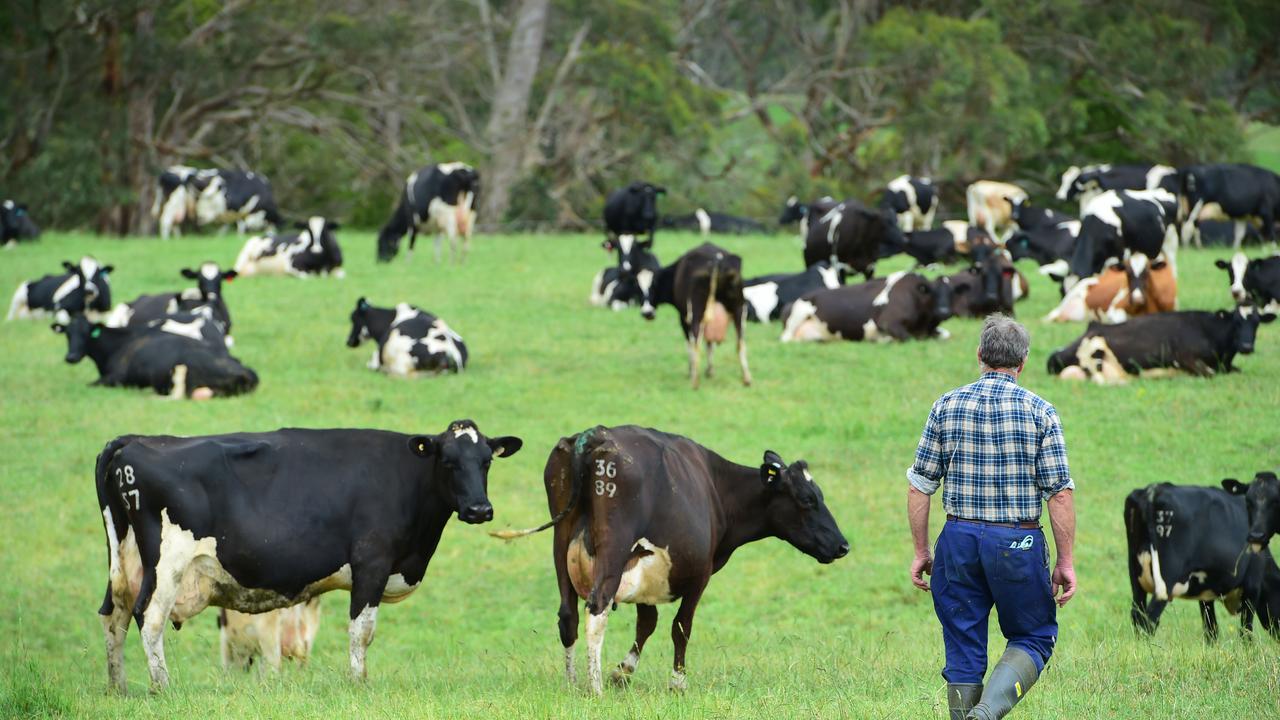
(1004, 344)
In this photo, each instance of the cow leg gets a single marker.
(269, 639)
(693, 342)
(681, 629)
(1246, 621)
(742, 350)
(568, 615)
(646, 622)
(368, 582)
(413, 239)
(115, 625)
(175, 554)
(596, 622)
(710, 349)
(1240, 228)
(1210, 619)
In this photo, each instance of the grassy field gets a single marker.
(777, 636)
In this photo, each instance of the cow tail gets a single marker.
(119, 518)
(711, 295)
(578, 468)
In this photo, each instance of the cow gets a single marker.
(1257, 280)
(16, 224)
(1229, 191)
(1262, 498)
(1186, 341)
(1084, 183)
(1025, 216)
(632, 210)
(1185, 543)
(1050, 247)
(900, 307)
(259, 521)
(1135, 286)
(1222, 233)
(1140, 221)
(242, 197)
(169, 360)
(949, 243)
(174, 200)
(81, 287)
(911, 201)
(794, 211)
(705, 286)
(285, 633)
(410, 340)
(707, 222)
(991, 284)
(990, 206)
(852, 234)
(206, 294)
(442, 197)
(767, 295)
(313, 251)
(647, 517)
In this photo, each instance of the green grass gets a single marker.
(777, 634)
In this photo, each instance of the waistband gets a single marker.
(1027, 525)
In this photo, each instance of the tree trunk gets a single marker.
(507, 127)
(139, 146)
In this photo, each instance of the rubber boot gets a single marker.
(1008, 683)
(961, 697)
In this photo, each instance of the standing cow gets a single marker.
(1229, 191)
(852, 234)
(990, 204)
(632, 210)
(307, 520)
(213, 196)
(911, 201)
(313, 251)
(1084, 183)
(440, 197)
(15, 223)
(647, 517)
(1139, 221)
(804, 213)
(707, 222)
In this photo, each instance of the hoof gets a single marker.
(620, 677)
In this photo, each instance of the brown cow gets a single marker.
(646, 517)
(1137, 286)
(705, 286)
(285, 633)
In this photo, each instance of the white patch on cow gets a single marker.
(830, 277)
(1138, 264)
(1158, 173)
(763, 298)
(600, 293)
(1180, 589)
(791, 201)
(1160, 590)
(803, 325)
(644, 279)
(396, 357)
(1057, 267)
(461, 432)
(1071, 226)
(441, 339)
(704, 221)
(595, 645)
(179, 380)
(8, 205)
(942, 333)
(360, 632)
(871, 331)
(570, 672)
(625, 244)
(1239, 264)
(678, 682)
(1144, 577)
(211, 204)
(1068, 177)
(191, 329)
(209, 271)
(449, 167)
(833, 218)
(629, 663)
(67, 287)
(119, 316)
(316, 225)
(174, 211)
(1105, 370)
(398, 588)
(646, 580)
(882, 298)
(807, 476)
(408, 192)
(1073, 307)
(251, 260)
(906, 220)
(18, 307)
(1103, 207)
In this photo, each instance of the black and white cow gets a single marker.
(767, 295)
(707, 222)
(312, 251)
(174, 202)
(852, 234)
(83, 287)
(15, 223)
(207, 294)
(794, 211)
(1050, 247)
(1029, 217)
(258, 521)
(439, 197)
(900, 307)
(1229, 191)
(618, 286)
(1084, 183)
(632, 210)
(955, 239)
(911, 201)
(1140, 221)
(411, 341)
(1254, 280)
(175, 361)
(1186, 341)
(213, 196)
(1185, 543)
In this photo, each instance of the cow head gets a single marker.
(644, 197)
(321, 240)
(462, 456)
(359, 323)
(796, 511)
(630, 251)
(80, 333)
(15, 223)
(209, 279)
(996, 277)
(944, 293)
(792, 211)
(96, 281)
(1017, 209)
(1138, 268)
(1244, 325)
(1235, 273)
(1262, 498)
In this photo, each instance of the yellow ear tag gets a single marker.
(773, 471)
(422, 447)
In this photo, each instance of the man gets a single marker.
(997, 451)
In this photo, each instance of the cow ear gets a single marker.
(1267, 317)
(230, 275)
(1222, 264)
(362, 304)
(190, 274)
(331, 225)
(1234, 486)
(1222, 314)
(422, 445)
(772, 468)
(505, 446)
(300, 225)
(108, 269)
(68, 265)
(58, 328)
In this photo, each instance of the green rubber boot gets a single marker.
(961, 697)
(1009, 682)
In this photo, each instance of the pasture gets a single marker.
(777, 635)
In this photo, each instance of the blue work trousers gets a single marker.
(976, 566)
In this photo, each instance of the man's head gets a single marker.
(1004, 344)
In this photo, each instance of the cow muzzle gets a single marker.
(477, 513)
(1256, 546)
(647, 312)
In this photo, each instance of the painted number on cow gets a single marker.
(1164, 523)
(125, 476)
(606, 470)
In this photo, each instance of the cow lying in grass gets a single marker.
(81, 287)
(207, 294)
(410, 340)
(899, 307)
(312, 251)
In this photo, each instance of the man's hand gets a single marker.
(923, 565)
(1064, 581)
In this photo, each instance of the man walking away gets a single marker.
(997, 451)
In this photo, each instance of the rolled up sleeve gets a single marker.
(1052, 473)
(930, 466)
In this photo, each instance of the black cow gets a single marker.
(15, 223)
(900, 307)
(206, 294)
(1083, 184)
(1230, 191)
(618, 287)
(81, 287)
(632, 210)
(767, 295)
(647, 517)
(852, 234)
(707, 222)
(1185, 543)
(1262, 498)
(1029, 217)
(442, 197)
(705, 287)
(1192, 341)
(804, 213)
(949, 243)
(313, 251)
(911, 202)
(1222, 233)
(258, 521)
(214, 196)
(410, 340)
(1256, 280)
(991, 284)
(1117, 220)
(169, 360)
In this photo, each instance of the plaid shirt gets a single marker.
(1000, 448)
